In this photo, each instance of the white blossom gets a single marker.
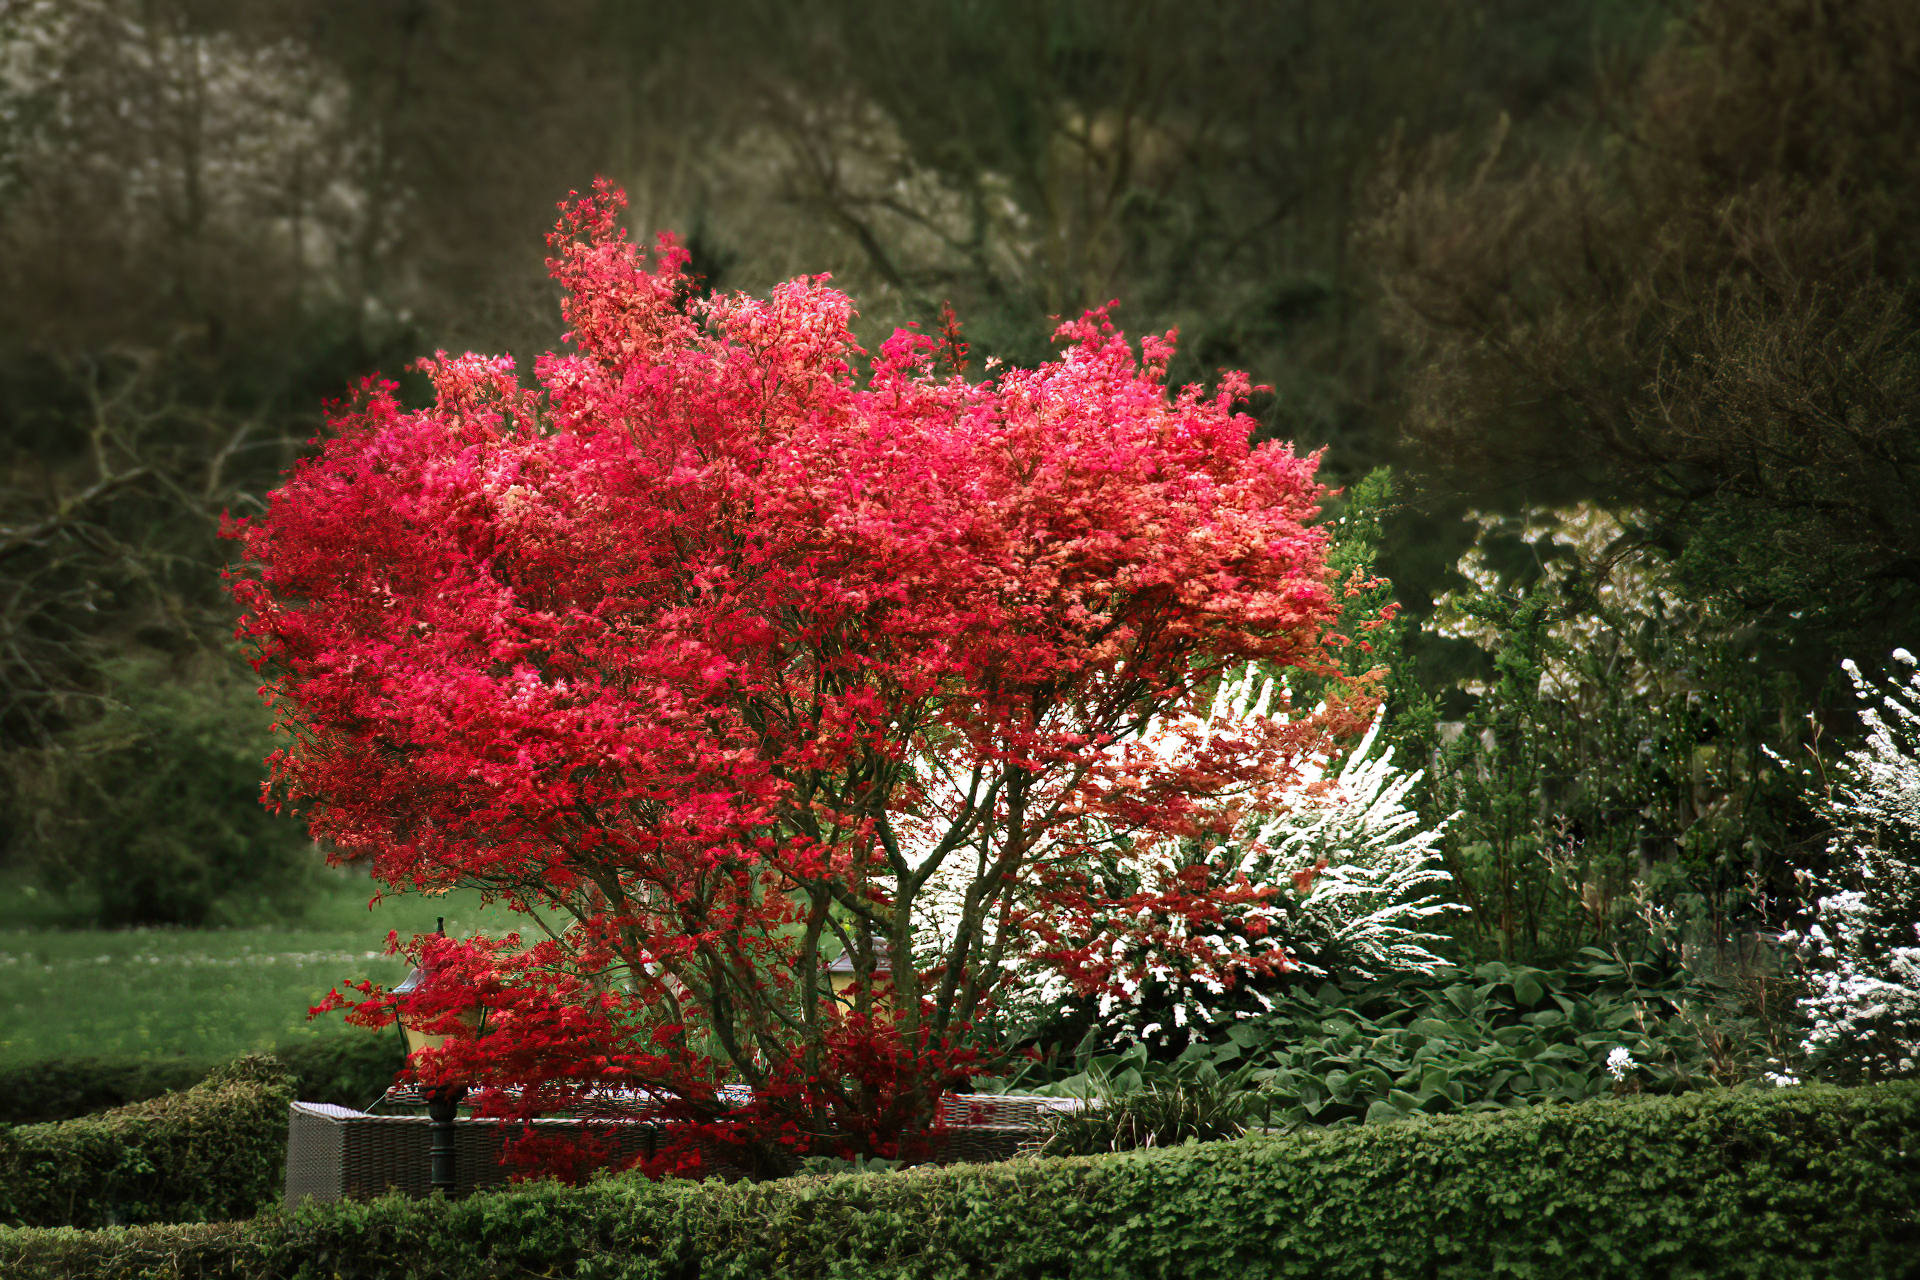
(1863, 964)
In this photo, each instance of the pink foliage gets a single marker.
(661, 651)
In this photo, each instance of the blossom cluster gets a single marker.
(1862, 947)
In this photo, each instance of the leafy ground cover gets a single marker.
(1492, 1038)
(157, 993)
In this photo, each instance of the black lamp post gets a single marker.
(443, 1101)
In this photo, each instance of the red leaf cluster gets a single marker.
(710, 650)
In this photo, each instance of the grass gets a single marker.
(152, 993)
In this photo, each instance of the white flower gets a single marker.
(1619, 1062)
(1863, 971)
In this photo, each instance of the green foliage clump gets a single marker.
(1790, 1184)
(1496, 1038)
(1611, 749)
(1490, 1039)
(151, 814)
(211, 1153)
(349, 1070)
(56, 1089)
(1200, 1107)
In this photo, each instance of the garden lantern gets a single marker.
(443, 1101)
(841, 975)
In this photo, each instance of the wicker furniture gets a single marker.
(335, 1152)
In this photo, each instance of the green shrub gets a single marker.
(214, 1152)
(1201, 1108)
(1503, 1036)
(350, 1070)
(1813, 1183)
(151, 814)
(200, 1251)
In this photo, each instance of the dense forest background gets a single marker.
(1601, 310)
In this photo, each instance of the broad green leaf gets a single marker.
(1383, 1112)
(1249, 1037)
(1373, 1080)
(1527, 989)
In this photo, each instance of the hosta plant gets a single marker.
(1488, 1039)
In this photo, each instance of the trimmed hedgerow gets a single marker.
(350, 1070)
(56, 1089)
(1795, 1183)
(213, 1152)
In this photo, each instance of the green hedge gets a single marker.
(58, 1089)
(216, 1151)
(349, 1069)
(1815, 1183)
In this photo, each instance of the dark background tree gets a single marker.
(1705, 311)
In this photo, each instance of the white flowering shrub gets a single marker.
(1371, 872)
(1348, 882)
(1862, 949)
(1586, 546)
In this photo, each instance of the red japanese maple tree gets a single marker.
(711, 655)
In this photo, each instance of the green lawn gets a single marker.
(206, 993)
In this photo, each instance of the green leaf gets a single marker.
(1383, 1112)
(1373, 1081)
(1250, 1037)
(1527, 989)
